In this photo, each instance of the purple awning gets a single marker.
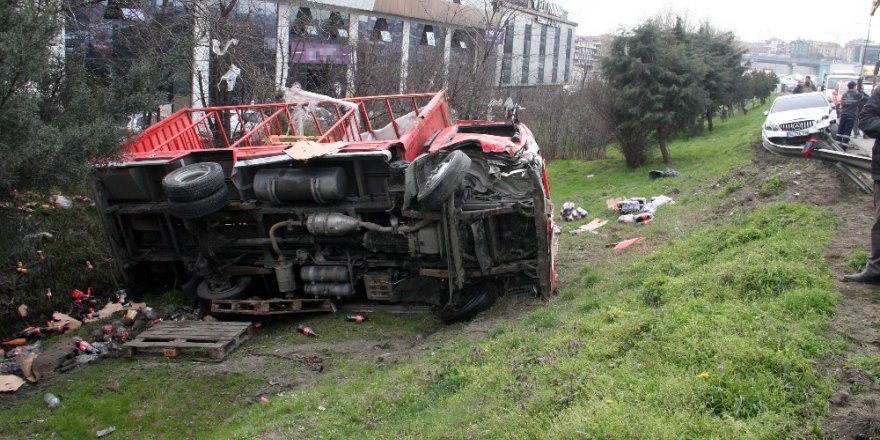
(310, 52)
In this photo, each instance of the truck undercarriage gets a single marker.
(436, 213)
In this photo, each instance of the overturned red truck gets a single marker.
(296, 206)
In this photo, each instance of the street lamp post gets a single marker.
(865, 49)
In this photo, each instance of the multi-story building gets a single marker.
(854, 49)
(587, 53)
(801, 48)
(828, 50)
(776, 46)
(371, 45)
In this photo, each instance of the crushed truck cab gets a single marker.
(379, 200)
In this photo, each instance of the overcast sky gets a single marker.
(750, 20)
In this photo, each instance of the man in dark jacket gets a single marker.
(849, 106)
(869, 122)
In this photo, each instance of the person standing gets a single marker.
(861, 90)
(849, 106)
(809, 85)
(869, 123)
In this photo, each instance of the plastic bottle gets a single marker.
(356, 318)
(52, 400)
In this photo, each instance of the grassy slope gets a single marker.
(711, 336)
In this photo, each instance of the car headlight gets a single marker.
(771, 127)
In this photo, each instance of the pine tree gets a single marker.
(53, 117)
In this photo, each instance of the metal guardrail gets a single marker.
(854, 160)
(834, 154)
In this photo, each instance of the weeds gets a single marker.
(773, 186)
(869, 364)
(856, 261)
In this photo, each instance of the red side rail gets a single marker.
(253, 126)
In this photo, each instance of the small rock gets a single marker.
(839, 398)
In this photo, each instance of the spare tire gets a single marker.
(201, 207)
(193, 182)
(444, 180)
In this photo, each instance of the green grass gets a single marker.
(713, 335)
(773, 186)
(162, 400)
(726, 354)
(869, 364)
(856, 261)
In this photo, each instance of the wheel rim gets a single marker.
(439, 170)
(232, 287)
(190, 175)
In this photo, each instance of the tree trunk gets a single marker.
(709, 118)
(661, 138)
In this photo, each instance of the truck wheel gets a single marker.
(193, 182)
(236, 289)
(201, 207)
(477, 303)
(444, 180)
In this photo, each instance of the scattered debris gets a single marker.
(656, 174)
(657, 202)
(10, 383)
(638, 209)
(109, 309)
(52, 401)
(356, 318)
(60, 319)
(570, 212)
(62, 202)
(626, 243)
(104, 432)
(642, 219)
(592, 226)
(306, 331)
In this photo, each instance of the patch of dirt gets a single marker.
(295, 367)
(854, 407)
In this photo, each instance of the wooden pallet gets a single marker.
(272, 306)
(190, 339)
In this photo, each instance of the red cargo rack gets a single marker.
(266, 129)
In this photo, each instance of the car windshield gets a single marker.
(832, 80)
(795, 102)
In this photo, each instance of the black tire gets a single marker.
(201, 207)
(477, 303)
(237, 289)
(444, 180)
(193, 182)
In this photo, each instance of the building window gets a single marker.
(428, 36)
(336, 26)
(542, 54)
(568, 57)
(302, 24)
(380, 31)
(507, 61)
(527, 54)
(557, 37)
(459, 39)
